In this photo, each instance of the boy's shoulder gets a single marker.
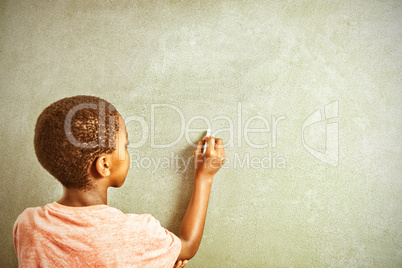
(28, 212)
(26, 217)
(54, 213)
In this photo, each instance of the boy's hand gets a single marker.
(180, 264)
(208, 163)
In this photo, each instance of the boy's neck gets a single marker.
(79, 198)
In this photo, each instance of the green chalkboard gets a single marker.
(305, 94)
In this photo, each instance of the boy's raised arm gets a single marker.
(206, 166)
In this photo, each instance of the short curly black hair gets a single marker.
(71, 133)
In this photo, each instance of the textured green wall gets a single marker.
(326, 195)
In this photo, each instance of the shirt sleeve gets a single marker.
(160, 247)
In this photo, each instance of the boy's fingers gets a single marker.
(181, 264)
(219, 147)
(218, 144)
(211, 144)
(198, 149)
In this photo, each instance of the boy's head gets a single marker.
(70, 134)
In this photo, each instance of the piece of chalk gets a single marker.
(205, 145)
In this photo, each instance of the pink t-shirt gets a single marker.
(92, 236)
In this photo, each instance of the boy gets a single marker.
(82, 142)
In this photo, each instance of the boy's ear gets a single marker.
(102, 166)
